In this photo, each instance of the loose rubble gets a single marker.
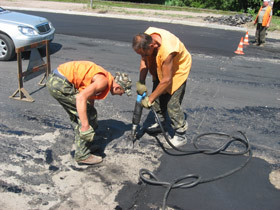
(232, 20)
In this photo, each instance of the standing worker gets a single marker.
(262, 20)
(169, 63)
(76, 85)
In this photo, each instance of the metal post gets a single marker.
(20, 84)
(48, 58)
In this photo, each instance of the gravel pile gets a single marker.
(232, 20)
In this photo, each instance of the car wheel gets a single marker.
(7, 48)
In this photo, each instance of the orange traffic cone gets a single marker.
(240, 47)
(246, 40)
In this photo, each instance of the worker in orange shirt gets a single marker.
(262, 21)
(76, 85)
(169, 63)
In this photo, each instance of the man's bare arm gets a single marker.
(99, 83)
(143, 71)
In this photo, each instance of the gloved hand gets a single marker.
(146, 103)
(87, 135)
(141, 88)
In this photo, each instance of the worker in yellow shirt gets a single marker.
(169, 63)
(262, 21)
(76, 85)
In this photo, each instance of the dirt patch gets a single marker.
(274, 178)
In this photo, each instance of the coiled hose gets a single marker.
(191, 180)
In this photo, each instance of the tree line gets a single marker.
(247, 6)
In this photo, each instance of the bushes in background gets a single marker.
(250, 6)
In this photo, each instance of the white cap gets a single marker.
(266, 0)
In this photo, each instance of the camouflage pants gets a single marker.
(171, 104)
(65, 93)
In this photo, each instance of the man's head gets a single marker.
(122, 84)
(266, 2)
(143, 44)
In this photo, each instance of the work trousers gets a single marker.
(65, 93)
(171, 104)
(260, 34)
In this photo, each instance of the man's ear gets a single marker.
(120, 88)
(116, 87)
(154, 45)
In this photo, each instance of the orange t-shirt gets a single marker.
(182, 61)
(80, 73)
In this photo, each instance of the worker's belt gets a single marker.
(58, 74)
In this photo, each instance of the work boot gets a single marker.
(91, 160)
(155, 128)
(178, 140)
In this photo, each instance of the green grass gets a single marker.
(100, 3)
(275, 24)
(106, 6)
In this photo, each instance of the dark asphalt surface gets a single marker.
(247, 189)
(197, 39)
(225, 93)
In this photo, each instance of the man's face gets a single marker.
(265, 3)
(146, 52)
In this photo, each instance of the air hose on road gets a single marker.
(191, 180)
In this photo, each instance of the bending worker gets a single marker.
(169, 63)
(262, 20)
(76, 85)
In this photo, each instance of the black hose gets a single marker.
(191, 180)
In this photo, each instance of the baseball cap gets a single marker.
(124, 81)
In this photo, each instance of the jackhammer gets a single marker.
(137, 115)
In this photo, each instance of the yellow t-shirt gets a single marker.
(80, 73)
(182, 61)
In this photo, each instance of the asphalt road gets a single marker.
(197, 39)
(225, 93)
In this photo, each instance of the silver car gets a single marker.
(19, 29)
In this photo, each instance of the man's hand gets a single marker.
(84, 128)
(87, 135)
(146, 103)
(141, 88)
